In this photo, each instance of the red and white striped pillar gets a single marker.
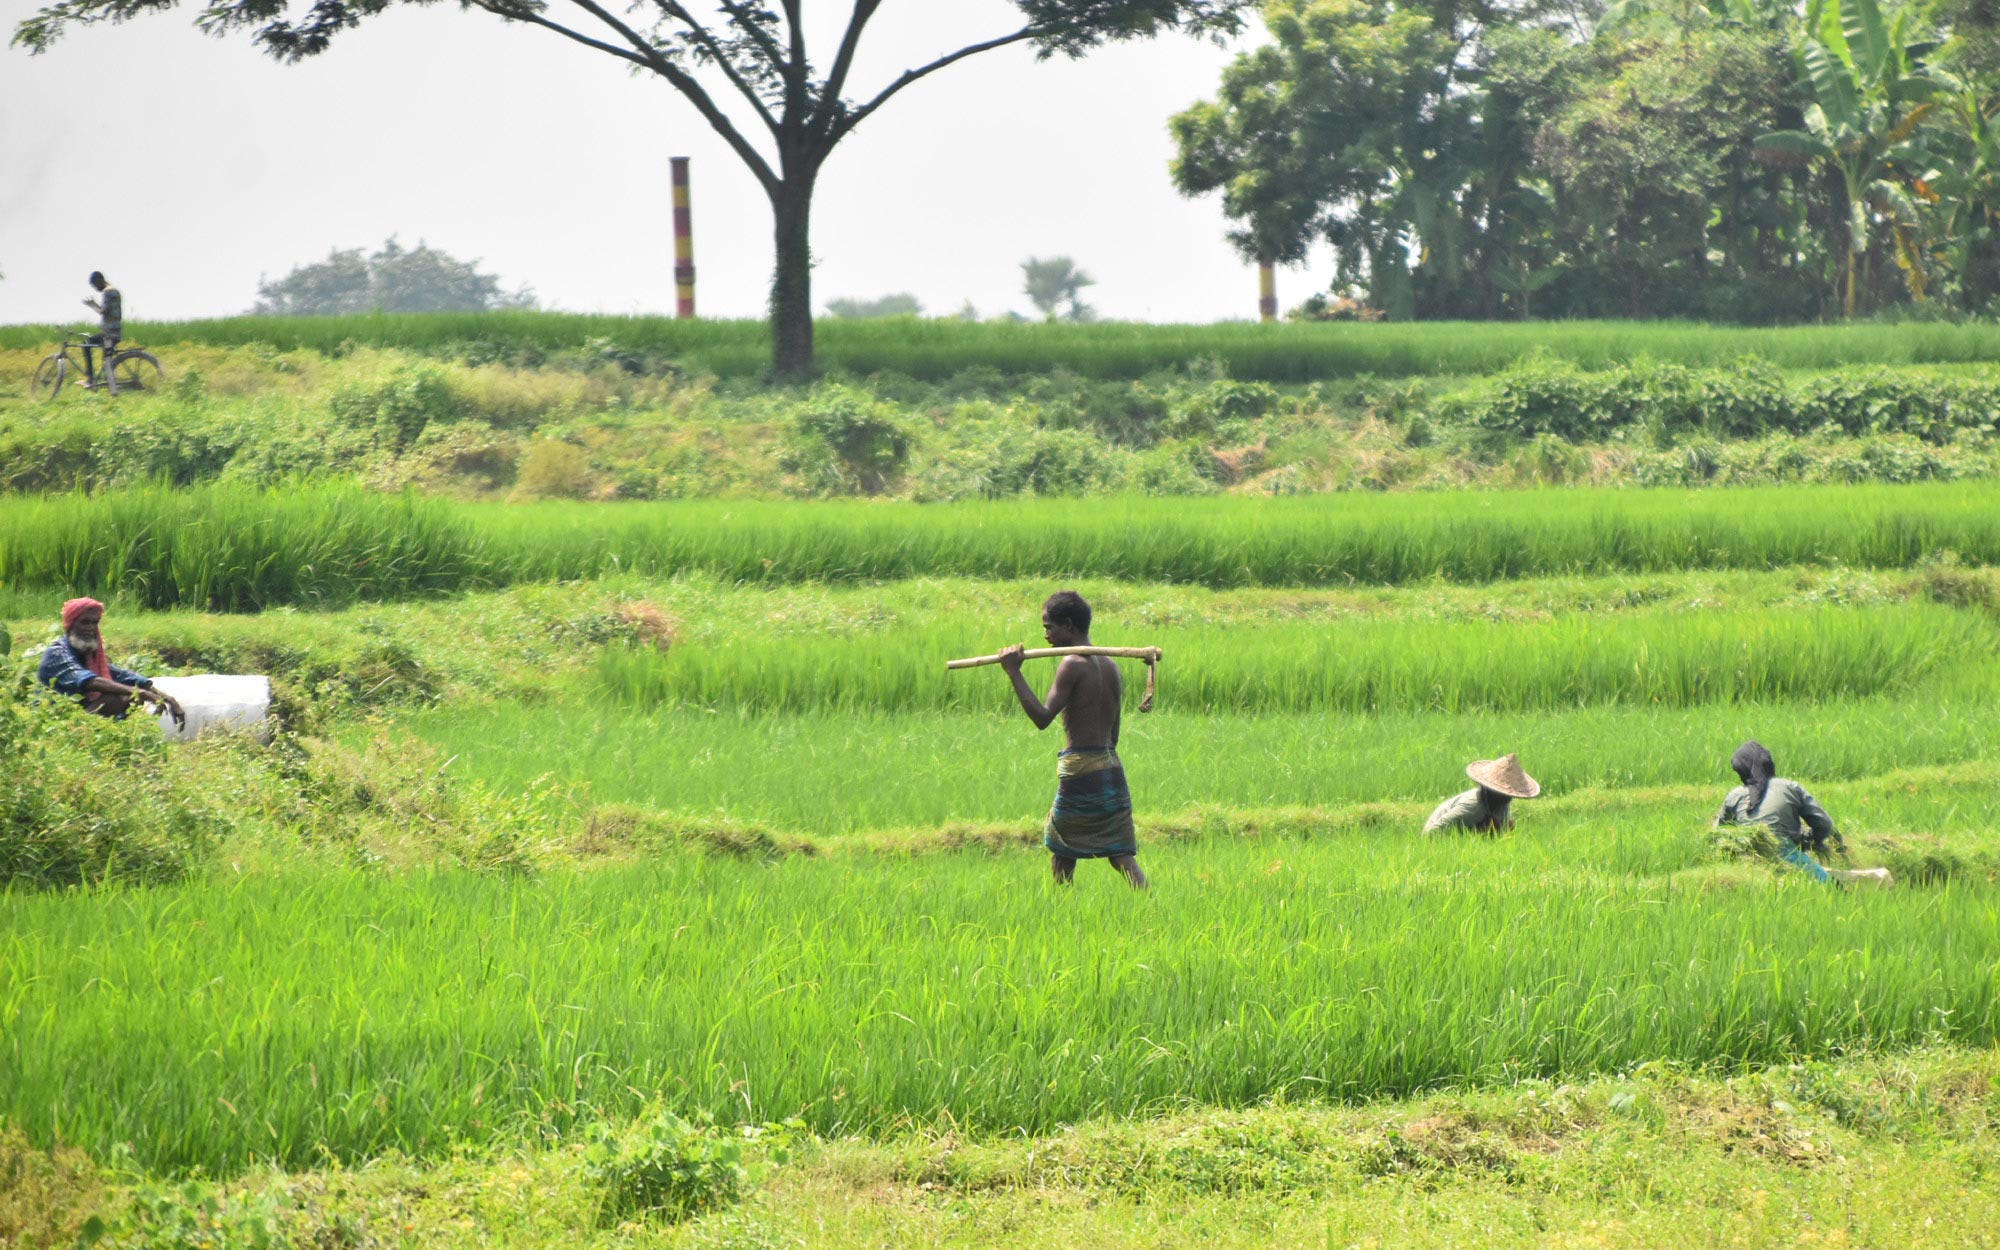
(683, 242)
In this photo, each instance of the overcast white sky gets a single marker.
(186, 167)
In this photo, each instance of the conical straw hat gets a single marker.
(1504, 775)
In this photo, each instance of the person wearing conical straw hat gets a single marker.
(1488, 806)
(1796, 820)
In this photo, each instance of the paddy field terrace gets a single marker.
(627, 870)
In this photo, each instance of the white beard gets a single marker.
(81, 647)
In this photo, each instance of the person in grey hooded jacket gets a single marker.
(1796, 820)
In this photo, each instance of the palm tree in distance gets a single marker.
(1056, 287)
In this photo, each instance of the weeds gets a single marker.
(663, 1166)
(47, 1197)
(84, 799)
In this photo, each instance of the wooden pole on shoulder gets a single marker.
(1151, 655)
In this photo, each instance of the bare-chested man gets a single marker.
(1092, 816)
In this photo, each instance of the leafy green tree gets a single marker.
(393, 279)
(1055, 287)
(1361, 125)
(1968, 181)
(1622, 18)
(791, 108)
(1869, 92)
(1648, 152)
(901, 304)
(1958, 159)
(1473, 158)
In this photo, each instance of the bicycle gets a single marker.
(128, 368)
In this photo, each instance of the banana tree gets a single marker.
(1870, 92)
(1960, 160)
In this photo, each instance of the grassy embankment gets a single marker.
(941, 348)
(573, 407)
(1876, 1150)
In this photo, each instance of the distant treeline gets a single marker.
(1743, 160)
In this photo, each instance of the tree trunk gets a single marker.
(791, 279)
(1854, 243)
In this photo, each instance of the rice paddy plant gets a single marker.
(841, 774)
(1673, 659)
(235, 549)
(940, 349)
(279, 1018)
(1252, 542)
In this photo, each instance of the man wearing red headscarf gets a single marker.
(75, 664)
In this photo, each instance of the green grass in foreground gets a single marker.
(943, 348)
(235, 549)
(1875, 1150)
(283, 1017)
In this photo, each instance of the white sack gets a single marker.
(216, 702)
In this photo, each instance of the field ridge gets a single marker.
(1288, 352)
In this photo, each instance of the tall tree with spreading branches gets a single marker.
(743, 64)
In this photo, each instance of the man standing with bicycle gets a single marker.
(110, 328)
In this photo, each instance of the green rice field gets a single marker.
(845, 775)
(279, 1019)
(1660, 659)
(583, 813)
(237, 550)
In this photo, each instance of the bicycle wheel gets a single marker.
(137, 371)
(49, 376)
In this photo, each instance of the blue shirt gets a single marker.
(65, 671)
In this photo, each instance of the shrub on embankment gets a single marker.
(235, 549)
(584, 428)
(84, 799)
(1752, 398)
